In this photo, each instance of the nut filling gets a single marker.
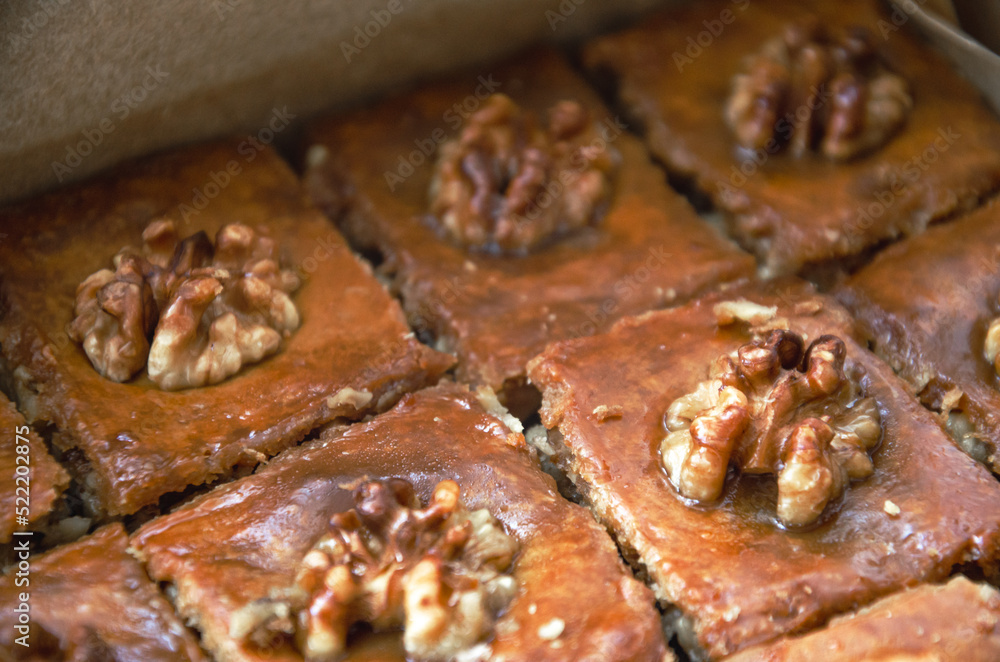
(775, 407)
(508, 186)
(189, 312)
(440, 573)
(810, 90)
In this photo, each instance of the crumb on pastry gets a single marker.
(349, 396)
(730, 312)
(604, 413)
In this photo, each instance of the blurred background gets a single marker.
(86, 84)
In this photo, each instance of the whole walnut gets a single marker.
(507, 185)
(775, 406)
(810, 90)
(440, 572)
(189, 312)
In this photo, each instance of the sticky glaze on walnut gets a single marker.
(507, 185)
(811, 90)
(439, 573)
(774, 407)
(190, 312)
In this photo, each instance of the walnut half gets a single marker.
(991, 347)
(810, 90)
(115, 315)
(441, 573)
(509, 186)
(774, 407)
(189, 312)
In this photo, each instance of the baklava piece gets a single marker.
(759, 466)
(959, 620)
(32, 480)
(427, 533)
(929, 306)
(512, 210)
(821, 129)
(188, 316)
(88, 600)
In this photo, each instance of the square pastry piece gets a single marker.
(189, 314)
(428, 533)
(764, 470)
(512, 209)
(88, 600)
(957, 621)
(821, 128)
(32, 480)
(930, 307)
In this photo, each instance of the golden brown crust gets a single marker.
(735, 575)
(42, 486)
(955, 621)
(799, 211)
(141, 442)
(92, 596)
(926, 304)
(262, 525)
(495, 313)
